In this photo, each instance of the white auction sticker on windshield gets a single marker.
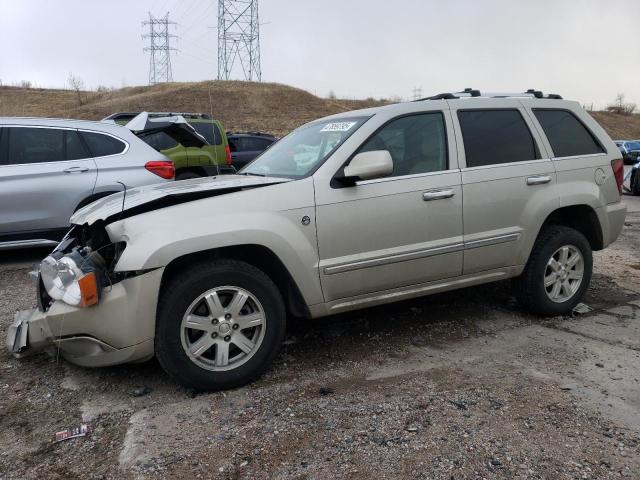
(338, 127)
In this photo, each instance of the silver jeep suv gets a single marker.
(51, 167)
(349, 211)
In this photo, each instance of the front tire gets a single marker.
(557, 274)
(219, 325)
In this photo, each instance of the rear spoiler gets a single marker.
(174, 126)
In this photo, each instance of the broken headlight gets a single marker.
(76, 278)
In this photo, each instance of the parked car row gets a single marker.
(630, 150)
(354, 210)
(49, 168)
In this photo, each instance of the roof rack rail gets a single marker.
(440, 96)
(474, 93)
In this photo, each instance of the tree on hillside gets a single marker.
(620, 106)
(77, 85)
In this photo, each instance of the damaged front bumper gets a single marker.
(119, 329)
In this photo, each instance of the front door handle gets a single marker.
(538, 179)
(437, 195)
(76, 170)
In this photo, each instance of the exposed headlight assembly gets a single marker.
(75, 278)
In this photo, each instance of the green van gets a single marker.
(190, 162)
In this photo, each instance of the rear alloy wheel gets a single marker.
(558, 272)
(219, 325)
(564, 274)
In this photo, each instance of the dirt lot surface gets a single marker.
(456, 385)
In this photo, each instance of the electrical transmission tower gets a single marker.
(238, 39)
(160, 48)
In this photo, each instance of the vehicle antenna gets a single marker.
(124, 197)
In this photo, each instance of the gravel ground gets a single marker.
(456, 385)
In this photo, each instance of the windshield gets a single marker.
(303, 150)
(633, 146)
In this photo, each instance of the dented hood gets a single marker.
(153, 197)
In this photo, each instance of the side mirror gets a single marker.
(367, 166)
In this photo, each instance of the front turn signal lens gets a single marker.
(88, 290)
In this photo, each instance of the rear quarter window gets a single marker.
(210, 131)
(159, 141)
(568, 136)
(102, 145)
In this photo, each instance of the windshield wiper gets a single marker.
(253, 174)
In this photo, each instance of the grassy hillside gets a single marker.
(268, 107)
(619, 127)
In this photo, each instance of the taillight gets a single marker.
(618, 171)
(227, 152)
(162, 168)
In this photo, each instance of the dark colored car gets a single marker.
(630, 150)
(633, 176)
(245, 146)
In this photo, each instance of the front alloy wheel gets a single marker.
(219, 324)
(223, 328)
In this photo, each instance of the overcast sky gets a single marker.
(587, 50)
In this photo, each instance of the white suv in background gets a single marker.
(49, 168)
(389, 203)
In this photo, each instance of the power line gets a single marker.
(160, 48)
(238, 39)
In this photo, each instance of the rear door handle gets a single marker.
(538, 179)
(76, 170)
(437, 195)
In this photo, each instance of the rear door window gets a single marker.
(102, 145)
(35, 145)
(567, 135)
(496, 136)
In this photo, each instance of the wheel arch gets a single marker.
(260, 257)
(92, 198)
(582, 218)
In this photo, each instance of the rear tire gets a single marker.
(219, 325)
(557, 274)
(635, 184)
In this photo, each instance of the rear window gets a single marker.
(102, 145)
(159, 141)
(210, 131)
(567, 135)
(496, 136)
